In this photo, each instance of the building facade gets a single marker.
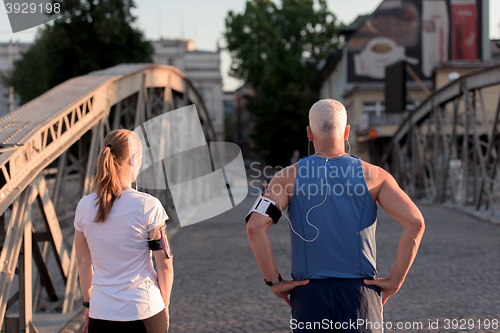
(202, 68)
(495, 49)
(396, 32)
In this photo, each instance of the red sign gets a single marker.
(372, 133)
(464, 29)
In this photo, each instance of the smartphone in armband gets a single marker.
(162, 243)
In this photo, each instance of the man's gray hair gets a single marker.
(327, 118)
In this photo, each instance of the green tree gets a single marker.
(91, 35)
(277, 49)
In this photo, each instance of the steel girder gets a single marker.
(448, 148)
(56, 138)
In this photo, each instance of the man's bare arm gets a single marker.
(400, 207)
(257, 228)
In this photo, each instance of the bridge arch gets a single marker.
(448, 149)
(54, 141)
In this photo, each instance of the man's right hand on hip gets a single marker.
(284, 288)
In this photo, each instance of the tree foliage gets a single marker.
(91, 35)
(277, 50)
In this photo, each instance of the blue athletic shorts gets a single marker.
(336, 305)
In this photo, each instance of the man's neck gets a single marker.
(329, 148)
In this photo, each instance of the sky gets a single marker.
(204, 22)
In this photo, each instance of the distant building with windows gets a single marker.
(202, 68)
(9, 52)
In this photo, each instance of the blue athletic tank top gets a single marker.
(345, 247)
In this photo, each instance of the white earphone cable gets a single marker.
(307, 214)
(290, 223)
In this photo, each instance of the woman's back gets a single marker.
(124, 282)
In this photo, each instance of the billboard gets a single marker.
(464, 29)
(423, 33)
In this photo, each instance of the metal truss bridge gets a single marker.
(448, 149)
(48, 152)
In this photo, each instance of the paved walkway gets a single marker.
(219, 288)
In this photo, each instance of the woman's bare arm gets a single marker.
(84, 261)
(165, 272)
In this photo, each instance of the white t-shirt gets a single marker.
(124, 283)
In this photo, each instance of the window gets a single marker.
(374, 108)
(373, 114)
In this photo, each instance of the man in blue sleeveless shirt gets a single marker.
(332, 199)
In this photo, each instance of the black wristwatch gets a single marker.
(86, 304)
(274, 282)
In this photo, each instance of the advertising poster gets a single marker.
(424, 33)
(391, 34)
(435, 34)
(464, 25)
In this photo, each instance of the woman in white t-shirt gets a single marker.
(112, 228)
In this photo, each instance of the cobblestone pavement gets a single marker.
(219, 288)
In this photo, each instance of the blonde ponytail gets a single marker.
(110, 163)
